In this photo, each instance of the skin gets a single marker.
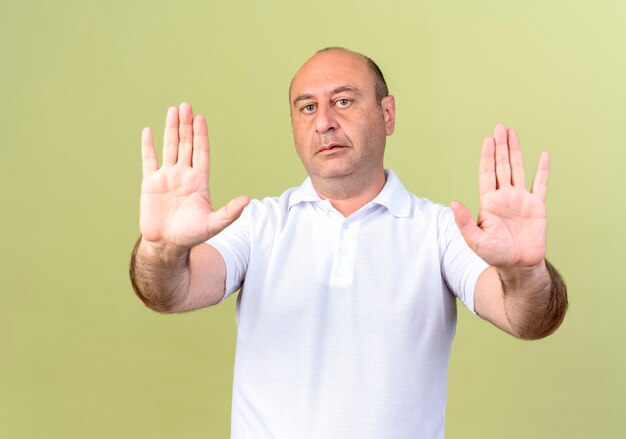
(173, 270)
(340, 131)
(510, 235)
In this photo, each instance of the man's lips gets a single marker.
(331, 147)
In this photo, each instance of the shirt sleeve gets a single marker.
(233, 243)
(460, 266)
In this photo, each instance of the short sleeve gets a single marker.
(233, 243)
(460, 266)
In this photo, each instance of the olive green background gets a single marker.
(79, 354)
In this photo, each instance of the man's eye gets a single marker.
(343, 102)
(309, 108)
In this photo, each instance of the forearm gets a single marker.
(535, 301)
(160, 277)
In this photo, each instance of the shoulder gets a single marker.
(419, 210)
(272, 208)
(402, 203)
(425, 206)
(436, 219)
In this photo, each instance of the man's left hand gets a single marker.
(511, 228)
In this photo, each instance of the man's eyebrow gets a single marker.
(302, 98)
(345, 88)
(341, 89)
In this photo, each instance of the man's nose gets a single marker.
(325, 119)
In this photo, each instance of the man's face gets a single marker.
(339, 128)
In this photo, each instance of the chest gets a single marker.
(371, 269)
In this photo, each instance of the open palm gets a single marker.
(175, 203)
(511, 226)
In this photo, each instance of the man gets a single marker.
(347, 306)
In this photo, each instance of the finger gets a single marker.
(486, 169)
(201, 158)
(503, 165)
(170, 137)
(149, 161)
(540, 182)
(185, 134)
(221, 218)
(517, 162)
(470, 231)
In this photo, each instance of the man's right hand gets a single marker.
(176, 212)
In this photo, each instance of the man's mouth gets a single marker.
(331, 147)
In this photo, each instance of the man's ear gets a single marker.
(388, 108)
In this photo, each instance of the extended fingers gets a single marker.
(515, 157)
(507, 165)
(200, 144)
(148, 154)
(540, 182)
(179, 140)
(185, 134)
(503, 164)
(201, 156)
(468, 228)
(218, 220)
(170, 137)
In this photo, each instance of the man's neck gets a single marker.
(349, 195)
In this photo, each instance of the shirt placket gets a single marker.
(345, 252)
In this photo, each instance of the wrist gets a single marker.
(514, 278)
(159, 275)
(165, 253)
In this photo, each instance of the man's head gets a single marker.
(341, 113)
(381, 85)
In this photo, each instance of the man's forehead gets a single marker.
(330, 70)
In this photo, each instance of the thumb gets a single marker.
(220, 219)
(470, 231)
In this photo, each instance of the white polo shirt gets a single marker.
(344, 325)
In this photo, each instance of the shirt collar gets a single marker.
(394, 197)
(305, 192)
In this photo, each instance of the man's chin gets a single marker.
(332, 172)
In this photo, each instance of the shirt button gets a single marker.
(346, 226)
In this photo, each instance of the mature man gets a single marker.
(347, 306)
